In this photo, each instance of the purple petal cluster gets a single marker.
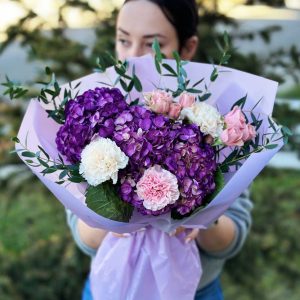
(148, 139)
(92, 112)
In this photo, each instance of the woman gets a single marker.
(174, 24)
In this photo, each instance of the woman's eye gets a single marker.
(124, 42)
(149, 45)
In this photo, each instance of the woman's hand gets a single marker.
(217, 237)
(90, 236)
(189, 237)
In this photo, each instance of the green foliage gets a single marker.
(38, 257)
(104, 200)
(267, 268)
(291, 93)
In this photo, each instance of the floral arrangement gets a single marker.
(162, 152)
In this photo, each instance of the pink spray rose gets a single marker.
(174, 111)
(237, 131)
(157, 188)
(232, 137)
(249, 133)
(158, 101)
(186, 99)
(235, 118)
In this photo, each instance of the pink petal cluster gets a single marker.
(237, 131)
(157, 188)
(186, 100)
(159, 101)
(162, 102)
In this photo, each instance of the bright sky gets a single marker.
(11, 12)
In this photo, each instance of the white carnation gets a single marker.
(101, 160)
(206, 117)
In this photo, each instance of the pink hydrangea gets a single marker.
(157, 188)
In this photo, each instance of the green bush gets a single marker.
(39, 259)
(268, 266)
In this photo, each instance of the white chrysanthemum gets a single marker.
(206, 117)
(101, 160)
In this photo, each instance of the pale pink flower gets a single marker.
(249, 133)
(158, 101)
(186, 99)
(235, 118)
(237, 131)
(232, 137)
(174, 111)
(157, 188)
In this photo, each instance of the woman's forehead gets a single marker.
(143, 19)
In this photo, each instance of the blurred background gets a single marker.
(38, 258)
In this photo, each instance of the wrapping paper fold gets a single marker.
(150, 262)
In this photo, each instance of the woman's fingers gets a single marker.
(177, 231)
(192, 235)
(120, 235)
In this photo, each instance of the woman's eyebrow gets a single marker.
(123, 31)
(148, 36)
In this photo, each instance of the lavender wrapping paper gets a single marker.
(149, 261)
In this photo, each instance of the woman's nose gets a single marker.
(136, 51)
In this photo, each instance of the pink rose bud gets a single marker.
(249, 133)
(186, 100)
(232, 137)
(235, 118)
(174, 111)
(159, 101)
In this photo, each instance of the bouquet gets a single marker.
(145, 146)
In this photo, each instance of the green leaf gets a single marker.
(28, 154)
(48, 71)
(105, 201)
(204, 97)
(226, 38)
(219, 181)
(240, 103)
(198, 82)
(271, 146)
(124, 85)
(43, 163)
(49, 170)
(176, 57)
(63, 174)
(157, 65)
(170, 69)
(130, 86)
(156, 49)
(271, 123)
(214, 75)
(286, 131)
(137, 83)
(134, 102)
(15, 139)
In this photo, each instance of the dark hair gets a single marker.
(182, 14)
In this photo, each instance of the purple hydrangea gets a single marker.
(178, 148)
(91, 113)
(148, 139)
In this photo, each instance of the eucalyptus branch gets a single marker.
(35, 159)
(14, 89)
